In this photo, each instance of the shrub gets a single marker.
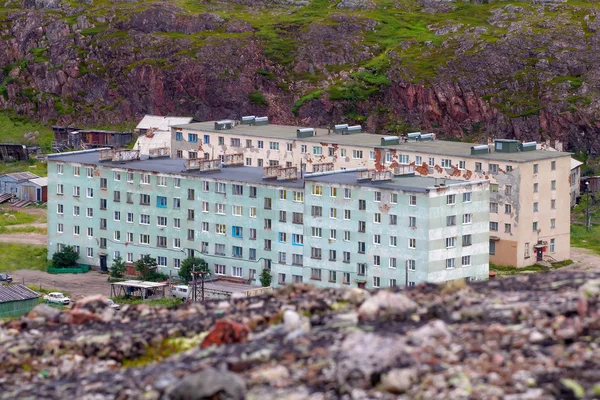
(146, 266)
(66, 258)
(265, 278)
(117, 269)
(187, 266)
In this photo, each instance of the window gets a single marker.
(493, 226)
(190, 214)
(76, 211)
(467, 219)
(145, 199)
(346, 256)
(389, 157)
(508, 190)
(431, 161)
(332, 255)
(103, 183)
(282, 194)
(362, 205)
(316, 211)
(493, 187)
(161, 202)
(161, 241)
(274, 145)
(191, 194)
(377, 239)
(332, 234)
(116, 196)
(176, 223)
(509, 168)
(237, 211)
(268, 203)
(177, 182)
(89, 172)
(552, 245)
(316, 232)
(362, 247)
(144, 219)
(59, 209)
(297, 239)
(248, 162)
(451, 220)
(412, 222)
(361, 269)
(362, 226)
(462, 165)
(446, 163)
(252, 212)
(377, 196)
(315, 274)
(393, 219)
(205, 226)
(358, 154)
(553, 204)
(76, 191)
(492, 248)
(553, 185)
(412, 243)
(507, 209)
(144, 239)
(535, 187)
(192, 138)
(450, 242)
(553, 165)
(467, 197)
(220, 229)
(297, 218)
(404, 159)
(553, 223)
(535, 226)
(536, 168)
(376, 281)
(268, 224)
(394, 198)
(466, 240)
(449, 263)
(299, 197)
(315, 252)
(494, 207)
(220, 269)
(60, 227)
(418, 160)
(76, 230)
(60, 189)
(393, 241)
(144, 179)
(535, 206)
(333, 213)
(220, 208)
(282, 237)
(493, 168)
(412, 200)
(90, 252)
(377, 218)
(176, 243)
(268, 244)
(317, 190)
(117, 215)
(89, 212)
(411, 265)
(89, 193)
(347, 215)
(219, 249)
(466, 261)
(317, 150)
(130, 177)
(237, 252)
(451, 199)
(129, 198)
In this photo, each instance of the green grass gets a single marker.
(166, 348)
(504, 270)
(43, 290)
(13, 128)
(584, 239)
(22, 256)
(258, 99)
(20, 218)
(35, 167)
(166, 302)
(23, 229)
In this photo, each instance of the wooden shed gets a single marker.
(16, 300)
(34, 190)
(9, 183)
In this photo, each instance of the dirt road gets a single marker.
(77, 285)
(583, 260)
(23, 238)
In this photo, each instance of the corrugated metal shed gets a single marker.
(16, 293)
(21, 176)
(39, 181)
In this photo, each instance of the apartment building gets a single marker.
(359, 228)
(530, 189)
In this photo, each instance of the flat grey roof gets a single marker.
(441, 147)
(16, 292)
(251, 174)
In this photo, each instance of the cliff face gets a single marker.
(526, 337)
(461, 69)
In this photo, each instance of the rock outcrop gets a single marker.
(462, 70)
(524, 337)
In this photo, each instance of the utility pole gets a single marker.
(587, 208)
(406, 273)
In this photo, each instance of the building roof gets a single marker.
(441, 147)
(21, 176)
(161, 123)
(159, 139)
(575, 163)
(39, 181)
(252, 175)
(16, 293)
(140, 284)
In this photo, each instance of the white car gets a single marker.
(114, 305)
(57, 298)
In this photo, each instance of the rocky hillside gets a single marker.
(463, 69)
(527, 337)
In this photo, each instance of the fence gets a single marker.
(82, 269)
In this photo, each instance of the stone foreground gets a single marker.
(525, 337)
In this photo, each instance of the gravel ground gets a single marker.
(77, 285)
(524, 337)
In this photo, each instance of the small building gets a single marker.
(16, 300)
(143, 289)
(34, 190)
(154, 132)
(9, 183)
(13, 152)
(575, 180)
(73, 138)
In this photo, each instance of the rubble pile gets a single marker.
(525, 337)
